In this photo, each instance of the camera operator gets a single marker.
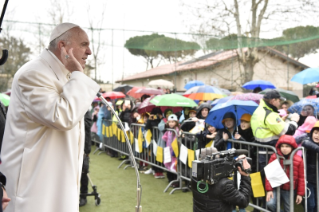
(223, 196)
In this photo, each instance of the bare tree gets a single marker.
(247, 18)
(95, 26)
(60, 12)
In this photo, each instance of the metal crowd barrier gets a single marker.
(113, 138)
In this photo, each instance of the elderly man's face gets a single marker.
(79, 41)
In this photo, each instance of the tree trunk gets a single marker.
(248, 71)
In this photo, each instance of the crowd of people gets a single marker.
(42, 150)
(270, 124)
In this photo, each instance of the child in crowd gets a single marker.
(303, 131)
(311, 143)
(229, 131)
(154, 120)
(285, 145)
(245, 132)
(169, 137)
(209, 135)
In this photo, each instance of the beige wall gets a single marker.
(226, 75)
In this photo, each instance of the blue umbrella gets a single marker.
(306, 76)
(238, 107)
(193, 83)
(258, 83)
(222, 100)
(298, 106)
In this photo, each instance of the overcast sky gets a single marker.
(137, 15)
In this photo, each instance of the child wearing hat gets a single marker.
(285, 145)
(228, 132)
(169, 136)
(245, 132)
(311, 143)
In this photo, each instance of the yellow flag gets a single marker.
(131, 136)
(119, 134)
(114, 126)
(159, 154)
(122, 136)
(140, 140)
(103, 129)
(148, 137)
(191, 157)
(210, 144)
(107, 130)
(175, 147)
(257, 185)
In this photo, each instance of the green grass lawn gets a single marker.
(117, 188)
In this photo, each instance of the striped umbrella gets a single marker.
(204, 92)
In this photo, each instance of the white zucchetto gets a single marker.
(60, 29)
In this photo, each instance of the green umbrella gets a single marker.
(5, 99)
(173, 100)
(289, 95)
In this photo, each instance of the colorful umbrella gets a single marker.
(248, 97)
(289, 95)
(147, 106)
(193, 83)
(238, 107)
(113, 95)
(133, 93)
(173, 100)
(306, 76)
(204, 92)
(123, 88)
(263, 84)
(5, 99)
(149, 91)
(161, 83)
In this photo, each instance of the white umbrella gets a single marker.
(161, 83)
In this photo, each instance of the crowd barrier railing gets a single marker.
(145, 146)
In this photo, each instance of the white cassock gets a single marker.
(43, 143)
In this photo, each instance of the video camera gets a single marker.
(216, 165)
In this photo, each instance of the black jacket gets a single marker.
(312, 150)
(126, 116)
(187, 125)
(222, 196)
(219, 143)
(87, 127)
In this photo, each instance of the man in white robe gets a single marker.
(43, 143)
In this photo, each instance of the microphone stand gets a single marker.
(138, 207)
(5, 53)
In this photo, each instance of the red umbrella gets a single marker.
(133, 94)
(113, 95)
(149, 91)
(147, 106)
